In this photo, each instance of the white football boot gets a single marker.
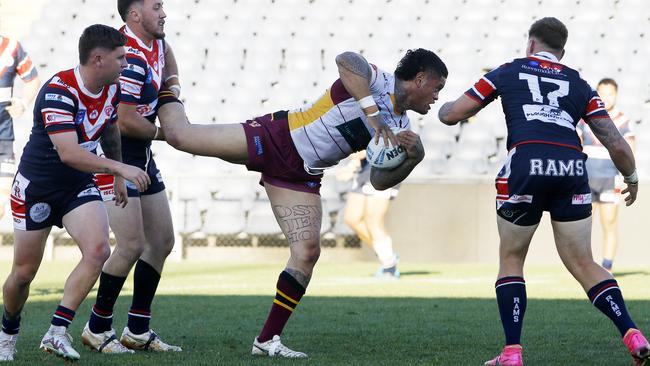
(105, 342)
(274, 348)
(146, 341)
(7, 346)
(58, 341)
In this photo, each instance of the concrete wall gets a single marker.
(454, 222)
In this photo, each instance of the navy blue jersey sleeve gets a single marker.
(58, 108)
(485, 90)
(132, 79)
(595, 108)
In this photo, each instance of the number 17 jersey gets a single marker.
(542, 100)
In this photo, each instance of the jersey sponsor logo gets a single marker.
(92, 191)
(548, 114)
(259, 148)
(81, 115)
(53, 117)
(59, 98)
(108, 111)
(39, 212)
(143, 109)
(581, 199)
(94, 114)
(557, 168)
(149, 76)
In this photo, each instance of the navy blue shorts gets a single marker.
(147, 164)
(37, 206)
(541, 177)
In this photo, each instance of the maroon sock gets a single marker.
(289, 292)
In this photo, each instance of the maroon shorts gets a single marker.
(271, 151)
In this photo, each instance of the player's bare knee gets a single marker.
(97, 252)
(22, 276)
(351, 221)
(130, 252)
(308, 255)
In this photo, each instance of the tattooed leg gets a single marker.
(299, 215)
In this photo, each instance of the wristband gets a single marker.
(171, 77)
(155, 135)
(366, 102)
(631, 179)
(176, 89)
(373, 114)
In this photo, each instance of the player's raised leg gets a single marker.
(511, 287)
(159, 233)
(299, 215)
(573, 241)
(224, 141)
(28, 253)
(88, 226)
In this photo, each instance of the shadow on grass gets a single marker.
(418, 273)
(219, 330)
(631, 273)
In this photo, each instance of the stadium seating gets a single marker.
(242, 58)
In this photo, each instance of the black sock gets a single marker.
(10, 324)
(145, 283)
(511, 296)
(101, 316)
(607, 297)
(62, 316)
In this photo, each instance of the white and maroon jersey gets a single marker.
(14, 61)
(64, 104)
(592, 146)
(140, 83)
(331, 128)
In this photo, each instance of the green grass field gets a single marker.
(435, 315)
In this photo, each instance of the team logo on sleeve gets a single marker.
(39, 212)
(81, 115)
(108, 111)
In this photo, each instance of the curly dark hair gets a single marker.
(417, 60)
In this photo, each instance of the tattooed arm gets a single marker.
(112, 146)
(111, 142)
(355, 75)
(619, 149)
(620, 153)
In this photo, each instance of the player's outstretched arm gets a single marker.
(355, 74)
(384, 179)
(170, 73)
(619, 151)
(461, 109)
(132, 124)
(70, 153)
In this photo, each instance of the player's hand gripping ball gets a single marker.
(385, 157)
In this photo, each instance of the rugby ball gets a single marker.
(385, 157)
